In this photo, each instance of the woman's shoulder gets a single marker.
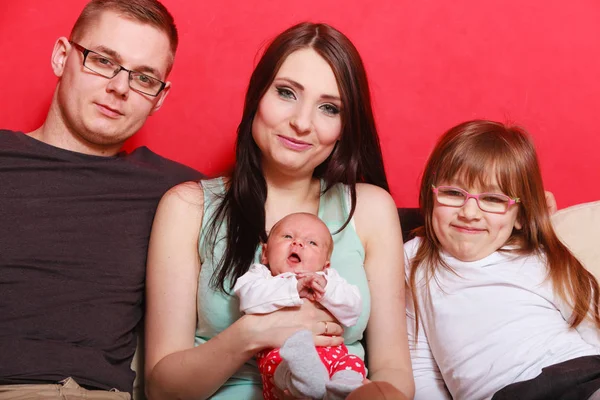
(186, 193)
(373, 200)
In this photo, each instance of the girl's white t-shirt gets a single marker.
(488, 324)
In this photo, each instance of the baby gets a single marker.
(295, 266)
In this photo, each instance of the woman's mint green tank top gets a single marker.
(217, 311)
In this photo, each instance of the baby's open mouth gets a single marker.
(294, 257)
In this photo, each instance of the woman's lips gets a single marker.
(293, 144)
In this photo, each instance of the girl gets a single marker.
(494, 297)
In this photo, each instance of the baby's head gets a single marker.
(478, 157)
(299, 242)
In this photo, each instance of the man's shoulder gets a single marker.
(145, 158)
(8, 135)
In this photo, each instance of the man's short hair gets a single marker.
(151, 12)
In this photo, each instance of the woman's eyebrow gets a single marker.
(300, 87)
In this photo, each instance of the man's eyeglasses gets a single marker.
(108, 68)
(488, 202)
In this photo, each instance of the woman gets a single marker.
(306, 143)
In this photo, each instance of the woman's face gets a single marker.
(298, 120)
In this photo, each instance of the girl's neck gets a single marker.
(287, 195)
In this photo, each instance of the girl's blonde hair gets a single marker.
(471, 151)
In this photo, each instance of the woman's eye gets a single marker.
(330, 109)
(285, 93)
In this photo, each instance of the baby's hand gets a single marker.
(313, 283)
(318, 286)
(304, 287)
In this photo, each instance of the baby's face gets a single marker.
(298, 243)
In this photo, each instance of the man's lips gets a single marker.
(108, 111)
(293, 144)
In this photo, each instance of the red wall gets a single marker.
(431, 64)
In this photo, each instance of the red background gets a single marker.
(431, 64)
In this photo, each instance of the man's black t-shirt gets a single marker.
(74, 233)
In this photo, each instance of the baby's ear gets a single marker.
(327, 264)
(263, 255)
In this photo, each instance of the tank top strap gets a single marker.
(334, 206)
(214, 191)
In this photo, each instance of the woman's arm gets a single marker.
(378, 227)
(174, 367)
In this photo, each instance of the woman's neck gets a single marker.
(287, 195)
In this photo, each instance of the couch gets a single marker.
(577, 226)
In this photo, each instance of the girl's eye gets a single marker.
(285, 93)
(493, 199)
(452, 193)
(330, 109)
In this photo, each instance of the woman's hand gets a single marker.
(271, 330)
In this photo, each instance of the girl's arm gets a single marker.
(378, 227)
(174, 368)
(588, 330)
(429, 383)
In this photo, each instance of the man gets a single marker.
(76, 213)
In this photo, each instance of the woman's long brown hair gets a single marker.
(470, 151)
(356, 157)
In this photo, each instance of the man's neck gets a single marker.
(55, 132)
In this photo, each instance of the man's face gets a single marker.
(102, 112)
(298, 243)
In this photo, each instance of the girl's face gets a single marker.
(298, 119)
(469, 234)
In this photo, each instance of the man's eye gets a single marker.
(145, 80)
(107, 62)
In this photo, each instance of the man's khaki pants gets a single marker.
(65, 390)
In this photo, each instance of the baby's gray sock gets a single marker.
(342, 383)
(301, 372)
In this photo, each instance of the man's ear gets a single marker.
(61, 51)
(161, 98)
(263, 256)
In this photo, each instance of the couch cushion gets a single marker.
(579, 228)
